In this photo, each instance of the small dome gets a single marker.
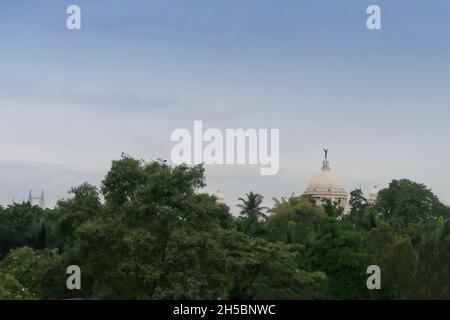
(220, 198)
(373, 195)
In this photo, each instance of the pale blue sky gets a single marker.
(71, 101)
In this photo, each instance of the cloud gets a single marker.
(97, 101)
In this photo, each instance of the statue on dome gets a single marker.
(326, 153)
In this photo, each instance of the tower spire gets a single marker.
(42, 200)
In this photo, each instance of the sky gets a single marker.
(73, 101)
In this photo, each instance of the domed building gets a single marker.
(326, 185)
(220, 198)
(373, 195)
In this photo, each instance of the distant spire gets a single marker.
(326, 153)
(42, 200)
(30, 197)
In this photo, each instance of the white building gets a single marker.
(373, 195)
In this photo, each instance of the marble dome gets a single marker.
(325, 182)
(326, 185)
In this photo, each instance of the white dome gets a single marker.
(325, 183)
(373, 195)
(220, 198)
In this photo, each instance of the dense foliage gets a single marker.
(149, 233)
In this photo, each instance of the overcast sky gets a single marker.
(72, 101)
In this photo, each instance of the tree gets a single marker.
(251, 206)
(406, 204)
(362, 215)
(71, 213)
(294, 221)
(339, 252)
(23, 225)
(28, 267)
(433, 279)
(262, 270)
(11, 289)
(152, 245)
(357, 201)
(397, 259)
(279, 202)
(121, 182)
(252, 214)
(332, 208)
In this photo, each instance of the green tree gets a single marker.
(29, 266)
(262, 270)
(152, 244)
(357, 201)
(11, 289)
(251, 206)
(252, 214)
(339, 252)
(332, 209)
(23, 225)
(294, 221)
(433, 280)
(361, 215)
(121, 182)
(407, 204)
(72, 212)
(397, 259)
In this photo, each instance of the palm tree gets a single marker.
(292, 200)
(251, 207)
